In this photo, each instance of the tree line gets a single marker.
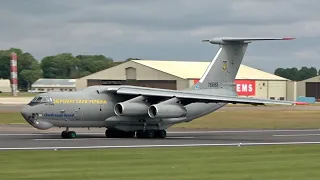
(296, 74)
(67, 66)
(60, 66)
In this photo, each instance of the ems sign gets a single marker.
(245, 87)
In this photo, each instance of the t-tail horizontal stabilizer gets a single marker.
(226, 40)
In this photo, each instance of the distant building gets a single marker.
(178, 75)
(46, 85)
(5, 85)
(309, 87)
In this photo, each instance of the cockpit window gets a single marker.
(40, 100)
(45, 99)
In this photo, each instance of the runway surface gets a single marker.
(24, 138)
(14, 137)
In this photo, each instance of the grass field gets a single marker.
(11, 117)
(260, 119)
(232, 163)
(20, 94)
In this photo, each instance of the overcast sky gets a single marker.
(164, 29)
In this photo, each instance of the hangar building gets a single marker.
(5, 85)
(45, 85)
(309, 87)
(179, 75)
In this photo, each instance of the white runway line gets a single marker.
(160, 145)
(77, 139)
(184, 137)
(295, 135)
(106, 139)
(247, 131)
(22, 134)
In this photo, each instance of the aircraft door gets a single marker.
(105, 110)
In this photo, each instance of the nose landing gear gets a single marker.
(68, 134)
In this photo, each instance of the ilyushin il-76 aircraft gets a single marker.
(142, 112)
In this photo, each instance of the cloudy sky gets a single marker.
(164, 29)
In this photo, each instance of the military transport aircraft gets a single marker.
(131, 111)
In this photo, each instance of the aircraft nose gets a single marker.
(25, 112)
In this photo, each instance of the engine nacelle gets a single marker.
(167, 111)
(131, 109)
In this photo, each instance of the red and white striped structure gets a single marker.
(14, 74)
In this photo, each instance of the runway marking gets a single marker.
(160, 145)
(105, 139)
(22, 134)
(71, 139)
(247, 131)
(183, 137)
(292, 135)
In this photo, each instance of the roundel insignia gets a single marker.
(224, 65)
(196, 87)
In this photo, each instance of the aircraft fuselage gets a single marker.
(90, 109)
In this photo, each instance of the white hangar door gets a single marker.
(277, 90)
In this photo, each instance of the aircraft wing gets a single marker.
(192, 96)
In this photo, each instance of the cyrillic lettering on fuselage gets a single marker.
(80, 101)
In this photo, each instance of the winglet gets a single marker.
(288, 38)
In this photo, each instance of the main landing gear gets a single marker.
(114, 133)
(161, 134)
(68, 134)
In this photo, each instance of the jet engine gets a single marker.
(167, 109)
(132, 107)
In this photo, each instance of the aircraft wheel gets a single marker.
(110, 133)
(130, 134)
(140, 134)
(72, 134)
(107, 133)
(161, 134)
(68, 134)
(64, 134)
(149, 134)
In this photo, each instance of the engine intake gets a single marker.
(167, 111)
(133, 107)
(130, 109)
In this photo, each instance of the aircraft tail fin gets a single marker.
(221, 72)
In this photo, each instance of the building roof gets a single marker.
(194, 70)
(313, 79)
(55, 83)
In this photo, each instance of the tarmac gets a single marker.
(27, 138)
